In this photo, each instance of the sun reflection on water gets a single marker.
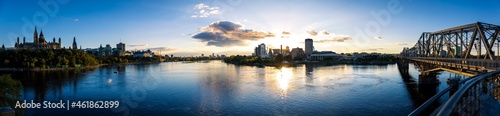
(283, 77)
(110, 81)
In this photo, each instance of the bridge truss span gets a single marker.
(474, 40)
(467, 50)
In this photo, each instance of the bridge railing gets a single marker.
(467, 100)
(425, 106)
(486, 63)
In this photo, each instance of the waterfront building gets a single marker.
(270, 53)
(276, 52)
(256, 51)
(39, 42)
(261, 51)
(120, 46)
(325, 55)
(108, 50)
(286, 51)
(141, 54)
(297, 52)
(309, 48)
(119, 50)
(147, 53)
(128, 53)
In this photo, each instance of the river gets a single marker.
(217, 88)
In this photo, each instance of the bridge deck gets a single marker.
(476, 65)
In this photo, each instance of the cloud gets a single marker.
(76, 20)
(316, 33)
(312, 33)
(378, 37)
(373, 49)
(200, 6)
(285, 33)
(339, 38)
(163, 49)
(223, 26)
(402, 44)
(227, 33)
(189, 34)
(324, 32)
(204, 11)
(138, 45)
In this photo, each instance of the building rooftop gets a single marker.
(323, 52)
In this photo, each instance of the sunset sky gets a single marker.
(186, 28)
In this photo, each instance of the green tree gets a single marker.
(10, 90)
(288, 58)
(65, 61)
(6, 62)
(278, 58)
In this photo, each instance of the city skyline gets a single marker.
(188, 28)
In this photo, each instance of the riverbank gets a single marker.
(289, 61)
(70, 68)
(51, 69)
(326, 63)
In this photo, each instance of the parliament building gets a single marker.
(39, 42)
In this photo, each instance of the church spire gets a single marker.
(41, 38)
(35, 36)
(74, 43)
(41, 32)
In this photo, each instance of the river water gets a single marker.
(217, 88)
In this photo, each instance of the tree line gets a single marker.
(243, 59)
(53, 58)
(250, 60)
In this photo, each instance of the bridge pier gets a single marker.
(455, 84)
(403, 66)
(429, 78)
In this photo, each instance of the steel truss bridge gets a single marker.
(466, 50)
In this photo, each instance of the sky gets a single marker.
(230, 27)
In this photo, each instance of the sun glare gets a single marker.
(283, 77)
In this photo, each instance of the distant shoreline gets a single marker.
(50, 69)
(293, 64)
(68, 68)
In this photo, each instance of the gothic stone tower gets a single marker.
(74, 43)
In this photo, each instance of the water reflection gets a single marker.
(283, 77)
(309, 73)
(110, 81)
(40, 83)
(216, 88)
